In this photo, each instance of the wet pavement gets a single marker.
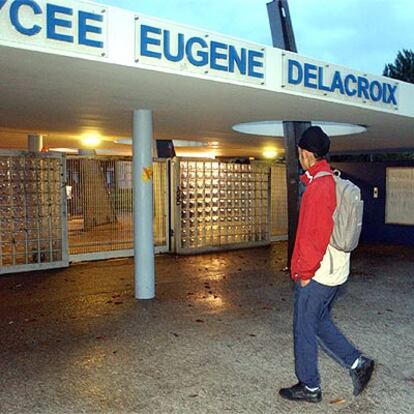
(217, 339)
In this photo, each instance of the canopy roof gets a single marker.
(113, 61)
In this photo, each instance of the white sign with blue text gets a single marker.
(188, 50)
(333, 82)
(69, 26)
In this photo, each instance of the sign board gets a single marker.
(69, 26)
(399, 206)
(189, 50)
(316, 78)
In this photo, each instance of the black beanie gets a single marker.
(315, 140)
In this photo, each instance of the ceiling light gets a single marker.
(91, 140)
(269, 154)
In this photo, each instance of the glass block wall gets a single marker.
(279, 206)
(222, 204)
(31, 212)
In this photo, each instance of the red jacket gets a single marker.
(315, 222)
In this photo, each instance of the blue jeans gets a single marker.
(312, 323)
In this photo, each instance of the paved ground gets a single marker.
(217, 339)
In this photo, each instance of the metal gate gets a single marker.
(33, 231)
(220, 205)
(100, 207)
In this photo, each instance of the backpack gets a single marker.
(347, 215)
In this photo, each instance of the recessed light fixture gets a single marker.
(178, 143)
(124, 141)
(269, 154)
(184, 143)
(91, 140)
(275, 128)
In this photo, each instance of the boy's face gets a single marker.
(306, 158)
(302, 158)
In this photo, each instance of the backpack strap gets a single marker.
(334, 173)
(323, 174)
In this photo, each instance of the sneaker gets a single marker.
(362, 374)
(300, 392)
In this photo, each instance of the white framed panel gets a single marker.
(399, 204)
(61, 25)
(312, 77)
(190, 50)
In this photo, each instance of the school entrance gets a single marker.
(56, 210)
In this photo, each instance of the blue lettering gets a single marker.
(200, 54)
(146, 41)
(167, 47)
(312, 76)
(14, 16)
(295, 72)
(337, 83)
(363, 86)
(309, 75)
(392, 89)
(220, 56)
(53, 22)
(321, 85)
(375, 95)
(253, 64)
(350, 78)
(85, 28)
(215, 55)
(237, 60)
(2, 3)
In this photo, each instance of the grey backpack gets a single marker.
(347, 215)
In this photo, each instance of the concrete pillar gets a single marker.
(143, 205)
(34, 143)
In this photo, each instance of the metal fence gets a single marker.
(100, 209)
(32, 212)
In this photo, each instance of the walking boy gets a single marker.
(318, 270)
